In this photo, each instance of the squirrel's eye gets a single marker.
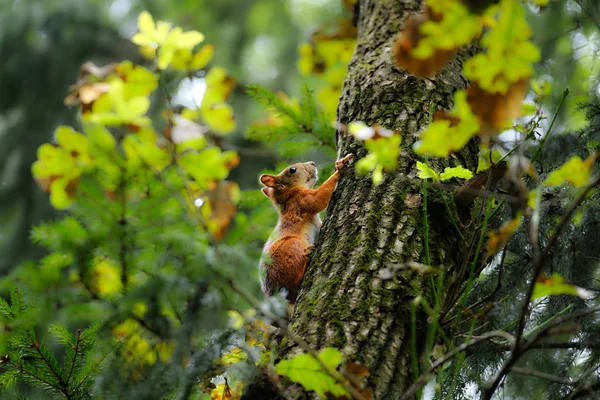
(293, 170)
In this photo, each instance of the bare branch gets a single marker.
(543, 375)
(537, 270)
(424, 378)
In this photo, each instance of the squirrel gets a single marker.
(286, 253)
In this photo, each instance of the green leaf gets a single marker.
(458, 27)
(456, 172)
(556, 285)
(443, 137)
(306, 370)
(143, 148)
(425, 172)
(114, 108)
(575, 171)
(484, 159)
(139, 81)
(100, 137)
(510, 55)
(383, 155)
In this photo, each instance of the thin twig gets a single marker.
(543, 375)
(423, 379)
(520, 349)
(283, 325)
(538, 267)
(541, 145)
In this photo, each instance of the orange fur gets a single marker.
(286, 253)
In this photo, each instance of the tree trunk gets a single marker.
(343, 302)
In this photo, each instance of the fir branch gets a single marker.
(543, 375)
(22, 370)
(424, 378)
(88, 373)
(306, 123)
(47, 358)
(537, 270)
(76, 350)
(274, 104)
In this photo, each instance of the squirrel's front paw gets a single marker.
(340, 164)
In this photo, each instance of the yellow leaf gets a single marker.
(328, 98)
(150, 34)
(425, 172)
(306, 370)
(114, 108)
(451, 133)
(225, 392)
(574, 171)
(486, 157)
(556, 285)
(202, 57)
(101, 137)
(497, 240)
(306, 62)
(510, 55)
(139, 309)
(235, 356)
(146, 22)
(188, 40)
(181, 59)
(165, 350)
(142, 149)
(455, 172)
(219, 117)
(236, 319)
(218, 86)
(148, 52)
(138, 81)
(105, 278)
(61, 194)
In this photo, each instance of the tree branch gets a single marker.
(424, 378)
(543, 375)
(537, 270)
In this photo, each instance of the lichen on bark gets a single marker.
(343, 302)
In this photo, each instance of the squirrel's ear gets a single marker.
(268, 180)
(268, 191)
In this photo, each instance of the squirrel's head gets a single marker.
(300, 174)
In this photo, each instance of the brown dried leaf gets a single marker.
(496, 110)
(355, 373)
(87, 90)
(408, 40)
(222, 204)
(498, 239)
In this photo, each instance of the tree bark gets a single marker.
(343, 302)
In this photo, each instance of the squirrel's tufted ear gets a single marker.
(268, 191)
(268, 180)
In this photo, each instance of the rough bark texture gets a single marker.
(343, 302)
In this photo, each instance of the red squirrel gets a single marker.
(286, 253)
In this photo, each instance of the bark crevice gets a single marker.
(343, 302)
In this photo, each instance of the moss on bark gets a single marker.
(343, 302)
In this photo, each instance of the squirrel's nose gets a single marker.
(312, 163)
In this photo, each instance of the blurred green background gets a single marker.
(44, 42)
